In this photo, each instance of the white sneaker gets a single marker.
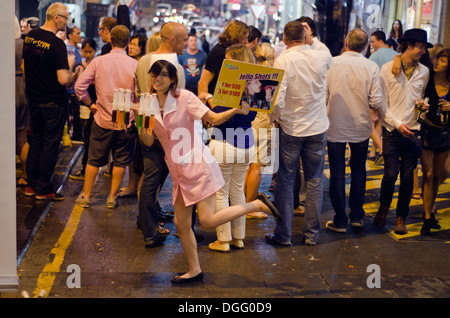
(220, 247)
(237, 243)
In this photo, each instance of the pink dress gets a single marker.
(193, 169)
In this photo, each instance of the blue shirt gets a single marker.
(193, 66)
(382, 56)
(78, 61)
(239, 125)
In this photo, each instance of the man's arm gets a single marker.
(64, 75)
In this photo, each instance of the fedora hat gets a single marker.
(415, 35)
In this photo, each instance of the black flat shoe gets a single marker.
(180, 280)
(264, 199)
(159, 241)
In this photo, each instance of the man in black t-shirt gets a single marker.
(47, 71)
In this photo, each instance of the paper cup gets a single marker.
(84, 112)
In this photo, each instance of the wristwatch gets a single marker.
(208, 97)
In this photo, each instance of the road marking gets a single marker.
(47, 277)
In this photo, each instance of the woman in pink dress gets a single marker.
(196, 175)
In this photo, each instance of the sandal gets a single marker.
(162, 230)
(416, 196)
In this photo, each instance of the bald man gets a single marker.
(173, 40)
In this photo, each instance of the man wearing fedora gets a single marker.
(402, 143)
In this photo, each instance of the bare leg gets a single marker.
(426, 160)
(183, 220)
(208, 219)
(117, 177)
(89, 178)
(252, 181)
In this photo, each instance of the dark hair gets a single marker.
(142, 42)
(445, 53)
(91, 42)
(311, 23)
(294, 31)
(253, 33)
(402, 47)
(391, 42)
(173, 75)
(69, 31)
(380, 36)
(400, 30)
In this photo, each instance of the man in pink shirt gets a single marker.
(109, 72)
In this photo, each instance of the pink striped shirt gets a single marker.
(108, 72)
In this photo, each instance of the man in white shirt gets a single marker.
(353, 88)
(402, 145)
(300, 111)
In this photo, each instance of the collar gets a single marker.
(118, 50)
(299, 47)
(352, 53)
(169, 107)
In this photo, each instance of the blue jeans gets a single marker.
(46, 132)
(311, 149)
(400, 154)
(336, 159)
(155, 173)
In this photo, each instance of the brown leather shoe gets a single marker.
(380, 218)
(400, 227)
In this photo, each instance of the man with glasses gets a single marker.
(47, 71)
(104, 30)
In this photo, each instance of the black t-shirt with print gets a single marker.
(44, 53)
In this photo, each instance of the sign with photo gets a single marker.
(257, 85)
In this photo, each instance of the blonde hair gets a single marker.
(153, 43)
(241, 52)
(264, 54)
(55, 9)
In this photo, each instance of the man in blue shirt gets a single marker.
(382, 53)
(193, 60)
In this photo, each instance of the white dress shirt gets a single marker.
(353, 84)
(300, 107)
(400, 95)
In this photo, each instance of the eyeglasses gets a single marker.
(101, 29)
(162, 75)
(63, 16)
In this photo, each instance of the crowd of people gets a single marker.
(324, 105)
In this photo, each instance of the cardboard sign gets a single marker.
(257, 85)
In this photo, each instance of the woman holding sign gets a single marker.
(232, 146)
(195, 174)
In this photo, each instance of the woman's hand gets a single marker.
(147, 138)
(245, 108)
(445, 105)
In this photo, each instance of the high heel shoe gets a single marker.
(180, 280)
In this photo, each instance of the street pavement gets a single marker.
(71, 252)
